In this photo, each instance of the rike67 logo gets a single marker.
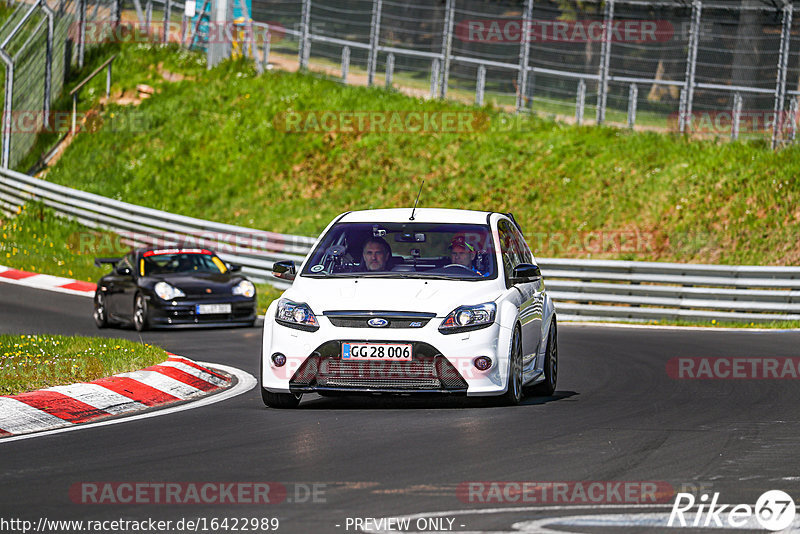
(774, 511)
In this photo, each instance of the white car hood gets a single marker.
(384, 294)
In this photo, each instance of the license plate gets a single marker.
(377, 351)
(202, 309)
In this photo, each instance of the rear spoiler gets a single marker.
(98, 262)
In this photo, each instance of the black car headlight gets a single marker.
(465, 318)
(245, 288)
(296, 315)
(167, 292)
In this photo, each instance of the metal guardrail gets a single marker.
(583, 289)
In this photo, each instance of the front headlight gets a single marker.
(168, 292)
(296, 315)
(245, 288)
(466, 318)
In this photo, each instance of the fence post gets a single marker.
(480, 87)
(447, 45)
(167, 13)
(345, 63)
(48, 63)
(7, 108)
(117, 13)
(737, 116)
(524, 56)
(783, 67)
(374, 40)
(580, 101)
(633, 101)
(81, 32)
(605, 60)
(389, 70)
(434, 76)
(304, 45)
(148, 15)
(265, 50)
(687, 95)
(108, 80)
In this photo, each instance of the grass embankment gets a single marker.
(212, 148)
(30, 362)
(38, 241)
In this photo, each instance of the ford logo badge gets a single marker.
(378, 322)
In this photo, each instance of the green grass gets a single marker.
(211, 149)
(30, 362)
(38, 241)
(713, 323)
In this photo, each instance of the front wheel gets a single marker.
(513, 394)
(280, 400)
(548, 386)
(140, 320)
(100, 311)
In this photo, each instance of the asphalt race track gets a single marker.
(617, 416)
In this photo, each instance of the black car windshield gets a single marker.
(180, 263)
(405, 250)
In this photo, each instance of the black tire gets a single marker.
(548, 387)
(514, 393)
(100, 311)
(140, 319)
(280, 400)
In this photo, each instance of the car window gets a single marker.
(525, 254)
(509, 249)
(404, 250)
(181, 263)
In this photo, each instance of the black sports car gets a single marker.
(173, 287)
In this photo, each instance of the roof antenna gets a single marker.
(416, 201)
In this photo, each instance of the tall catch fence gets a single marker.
(711, 68)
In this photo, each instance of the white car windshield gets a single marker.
(405, 250)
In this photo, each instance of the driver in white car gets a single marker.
(376, 254)
(463, 253)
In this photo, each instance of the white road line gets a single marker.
(245, 382)
(23, 282)
(99, 397)
(194, 371)
(163, 383)
(17, 417)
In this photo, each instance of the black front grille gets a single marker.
(427, 371)
(359, 319)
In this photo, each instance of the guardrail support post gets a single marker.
(480, 86)
(345, 63)
(434, 76)
(389, 70)
(447, 46)
(633, 101)
(304, 47)
(524, 56)
(374, 40)
(580, 101)
(736, 116)
(687, 95)
(605, 61)
(783, 67)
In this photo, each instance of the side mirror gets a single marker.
(524, 273)
(234, 268)
(284, 270)
(123, 270)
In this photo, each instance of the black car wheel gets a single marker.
(280, 400)
(548, 387)
(100, 312)
(140, 319)
(513, 394)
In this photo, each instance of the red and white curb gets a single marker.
(46, 281)
(175, 380)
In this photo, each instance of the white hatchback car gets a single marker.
(402, 301)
